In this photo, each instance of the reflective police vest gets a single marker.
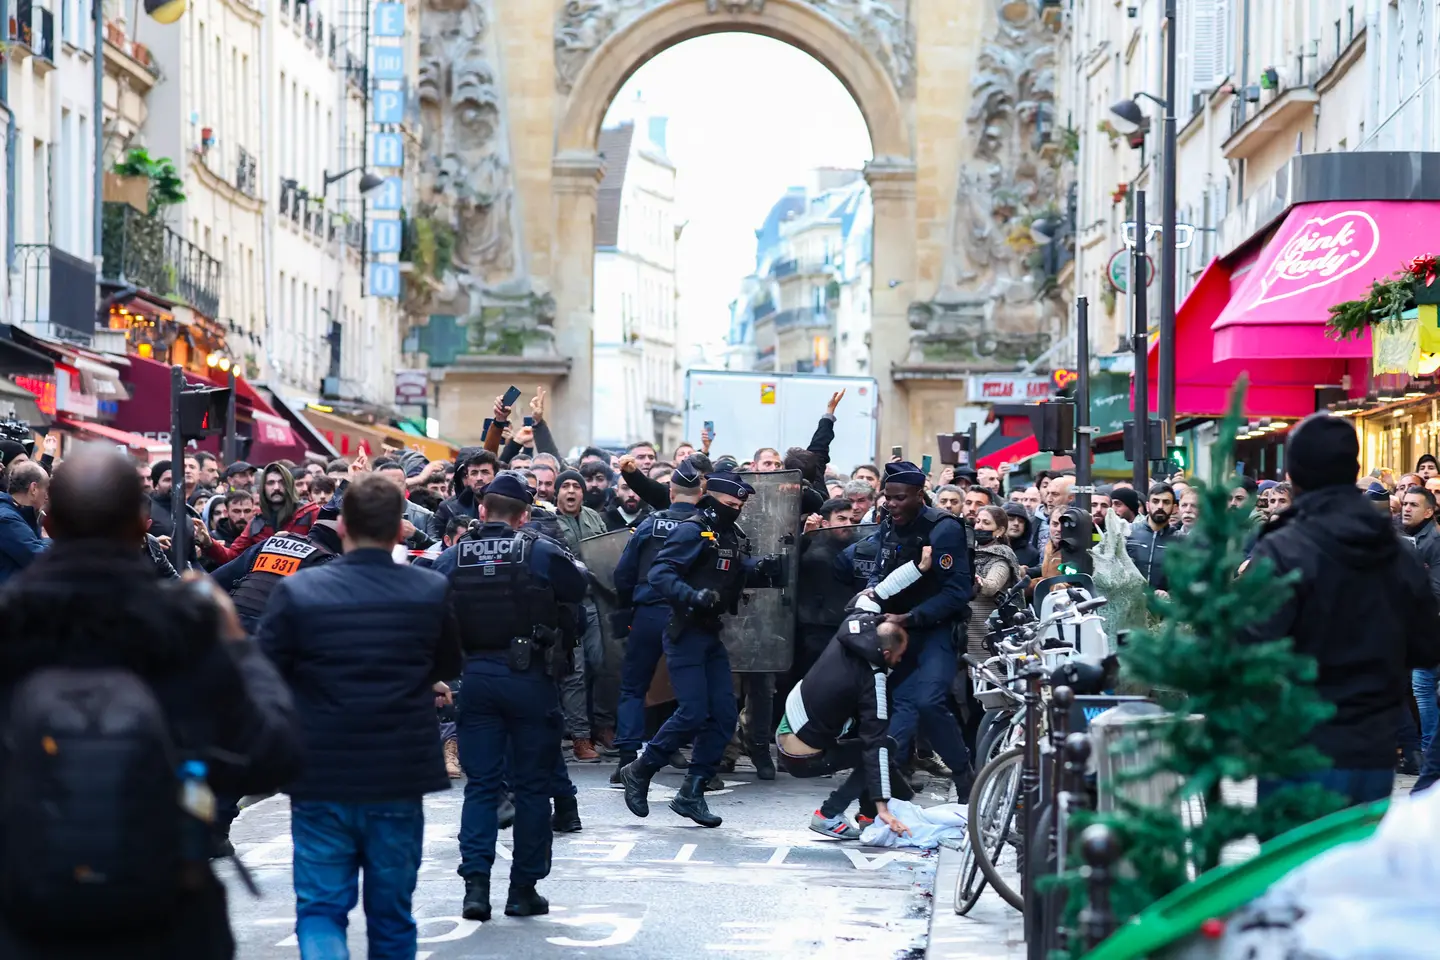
(497, 596)
(662, 524)
(280, 556)
(721, 566)
(897, 550)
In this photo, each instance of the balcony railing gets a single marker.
(141, 250)
(34, 26)
(784, 268)
(801, 317)
(246, 171)
(54, 293)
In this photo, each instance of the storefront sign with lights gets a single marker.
(1001, 387)
(1064, 378)
(42, 387)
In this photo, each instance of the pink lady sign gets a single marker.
(1324, 253)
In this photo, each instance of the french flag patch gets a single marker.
(722, 565)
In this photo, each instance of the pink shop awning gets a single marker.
(1323, 254)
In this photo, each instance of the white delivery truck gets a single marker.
(780, 410)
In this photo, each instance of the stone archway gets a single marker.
(600, 43)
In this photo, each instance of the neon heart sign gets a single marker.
(1322, 250)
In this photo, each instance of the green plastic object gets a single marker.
(1226, 889)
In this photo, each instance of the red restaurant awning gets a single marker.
(1280, 385)
(1017, 452)
(154, 449)
(1323, 254)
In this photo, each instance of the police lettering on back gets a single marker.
(663, 526)
(491, 552)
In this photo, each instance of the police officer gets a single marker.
(929, 609)
(251, 577)
(651, 610)
(700, 570)
(508, 584)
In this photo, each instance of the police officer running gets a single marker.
(508, 584)
(935, 601)
(701, 570)
(644, 644)
(251, 577)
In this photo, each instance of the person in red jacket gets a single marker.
(280, 510)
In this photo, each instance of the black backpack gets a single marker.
(94, 834)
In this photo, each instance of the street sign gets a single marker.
(411, 387)
(1117, 271)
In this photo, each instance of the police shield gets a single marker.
(760, 637)
(826, 582)
(601, 555)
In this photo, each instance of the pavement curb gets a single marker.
(991, 931)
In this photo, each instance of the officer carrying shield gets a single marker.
(644, 645)
(508, 586)
(929, 609)
(700, 570)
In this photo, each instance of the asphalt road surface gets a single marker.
(628, 888)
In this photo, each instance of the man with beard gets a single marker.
(950, 498)
(279, 511)
(1148, 540)
(701, 570)
(239, 509)
(1125, 502)
(1099, 506)
(598, 481)
(417, 518)
(474, 468)
(240, 476)
(627, 510)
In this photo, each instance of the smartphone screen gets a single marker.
(710, 427)
(511, 396)
(925, 464)
(529, 421)
(896, 452)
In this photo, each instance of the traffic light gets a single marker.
(1154, 439)
(1180, 457)
(1052, 421)
(203, 412)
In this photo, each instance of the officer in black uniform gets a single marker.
(251, 577)
(508, 585)
(929, 609)
(651, 610)
(700, 570)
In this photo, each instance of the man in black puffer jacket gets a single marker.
(1362, 607)
(365, 643)
(93, 602)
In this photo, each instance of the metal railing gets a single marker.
(53, 293)
(784, 268)
(141, 250)
(246, 173)
(801, 317)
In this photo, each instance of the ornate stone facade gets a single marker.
(463, 233)
(585, 24)
(991, 303)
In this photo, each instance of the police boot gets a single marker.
(477, 898)
(764, 766)
(626, 758)
(635, 777)
(505, 812)
(690, 802)
(523, 901)
(567, 816)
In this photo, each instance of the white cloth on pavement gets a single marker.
(928, 826)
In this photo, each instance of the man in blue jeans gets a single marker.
(364, 643)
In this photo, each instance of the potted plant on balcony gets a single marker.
(162, 184)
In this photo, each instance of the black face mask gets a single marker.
(595, 499)
(724, 515)
(983, 537)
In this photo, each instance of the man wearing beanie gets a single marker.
(1362, 607)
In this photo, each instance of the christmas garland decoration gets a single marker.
(1385, 302)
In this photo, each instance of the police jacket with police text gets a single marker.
(251, 577)
(942, 595)
(362, 640)
(700, 556)
(846, 690)
(507, 583)
(632, 583)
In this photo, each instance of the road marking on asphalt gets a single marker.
(777, 859)
(687, 850)
(619, 850)
(864, 861)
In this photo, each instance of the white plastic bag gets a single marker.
(928, 826)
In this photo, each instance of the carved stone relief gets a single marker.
(1011, 178)
(463, 232)
(585, 24)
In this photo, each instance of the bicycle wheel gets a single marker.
(993, 802)
(993, 729)
(970, 882)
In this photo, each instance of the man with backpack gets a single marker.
(124, 701)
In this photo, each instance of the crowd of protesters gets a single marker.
(49, 529)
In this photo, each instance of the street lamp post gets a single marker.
(1166, 384)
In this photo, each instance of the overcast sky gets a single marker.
(738, 138)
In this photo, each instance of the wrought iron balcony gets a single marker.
(33, 26)
(54, 293)
(801, 317)
(141, 250)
